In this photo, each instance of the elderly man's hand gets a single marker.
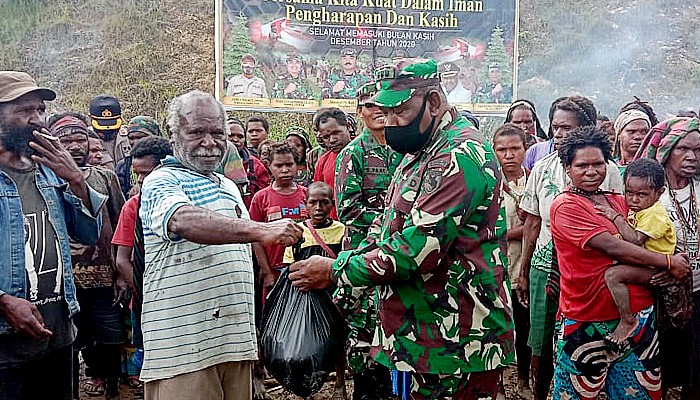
(312, 273)
(283, 232)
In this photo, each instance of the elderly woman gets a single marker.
(587, 245)
(547, 180)
(522, 113)
(631, 127)
(675, 144)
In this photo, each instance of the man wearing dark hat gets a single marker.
(100, 323)
(246, 84)
(495, 91)
(364, 169)
(106, 116)
(438, 253)
(343, 83)
(456, 93)
(44, 201)
(292, 85)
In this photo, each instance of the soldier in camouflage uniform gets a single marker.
(343, 83)
(363, 172)
(292, 85)
(438, 254)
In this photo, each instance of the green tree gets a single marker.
(496, 54)
(238, 44)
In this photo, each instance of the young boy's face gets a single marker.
(319, 206)
(283, 169)
(640, 193)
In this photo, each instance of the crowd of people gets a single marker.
(571, 252)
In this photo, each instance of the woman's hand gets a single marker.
(607, 211)
(680, 267)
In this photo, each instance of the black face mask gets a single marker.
(409, 138)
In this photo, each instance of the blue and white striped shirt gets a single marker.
(198, 308)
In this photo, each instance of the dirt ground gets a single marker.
(276, 392)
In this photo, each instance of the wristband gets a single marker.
(668, 262)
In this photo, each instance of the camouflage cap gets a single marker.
(294, 56)
(364, 92)
(144, 124)
(348, 51)
(448, 69)
(397, 82)
(300, 133)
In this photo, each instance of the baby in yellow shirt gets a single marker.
(647, 225)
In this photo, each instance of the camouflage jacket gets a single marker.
(483, 94)
(440, 259)
(302, 91)
(363, 172)
(352, 83)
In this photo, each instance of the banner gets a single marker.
(299, 55)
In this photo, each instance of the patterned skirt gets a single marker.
(587, 365)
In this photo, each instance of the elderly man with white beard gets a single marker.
(198, 312)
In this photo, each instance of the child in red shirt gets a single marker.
(282, 199)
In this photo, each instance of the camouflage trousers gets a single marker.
(472, 386)
(357, 305)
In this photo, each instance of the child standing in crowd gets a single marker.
(282, 199)
(322, 236)
(648, 225)
(128, 237)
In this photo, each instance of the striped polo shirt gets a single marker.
(198, 308)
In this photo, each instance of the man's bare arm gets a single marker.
(203, 226)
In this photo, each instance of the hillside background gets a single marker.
(147, 51)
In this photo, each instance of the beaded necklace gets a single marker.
(686, 225)
(581, 192)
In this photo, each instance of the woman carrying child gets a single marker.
(587, 246)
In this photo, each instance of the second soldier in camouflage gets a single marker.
(363, 172)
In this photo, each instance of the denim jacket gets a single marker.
(70, 219)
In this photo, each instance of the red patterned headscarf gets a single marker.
(663, 137)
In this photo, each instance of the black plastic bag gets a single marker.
(302, 336)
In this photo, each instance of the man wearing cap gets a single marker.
(343, 83)
(494, 91)
(438, 254)
(364, 169)
(100, 323)
(456, 93)
(292, 85)
(246, 84)
(106, 116)
(44, 201)
(631, 127)
(138, 128)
